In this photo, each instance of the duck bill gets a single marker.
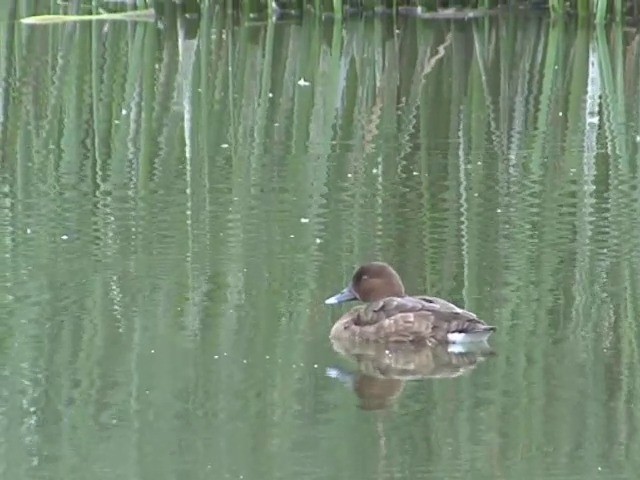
(345, 295)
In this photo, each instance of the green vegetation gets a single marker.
(596, 10)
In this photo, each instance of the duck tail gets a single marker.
(478, 333)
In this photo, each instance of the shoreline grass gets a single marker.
(599, 11)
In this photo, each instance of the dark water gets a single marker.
(176, 204)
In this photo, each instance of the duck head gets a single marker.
(371, 281)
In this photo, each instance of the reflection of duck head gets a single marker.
(381, 373)
(389, 315)
(374, 392)
(377, 393)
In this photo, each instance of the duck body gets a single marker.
(390, 316)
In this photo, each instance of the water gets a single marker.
(173, 213)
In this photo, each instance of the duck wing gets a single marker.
(444, 306)
(380, 310)
(418, 319)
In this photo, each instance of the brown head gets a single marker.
(372, 281)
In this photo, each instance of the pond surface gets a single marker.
(176, 204)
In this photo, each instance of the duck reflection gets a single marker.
(382, 370)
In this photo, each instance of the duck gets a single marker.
(389, 315)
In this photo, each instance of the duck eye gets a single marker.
(365, 277)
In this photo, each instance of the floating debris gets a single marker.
(134, 15)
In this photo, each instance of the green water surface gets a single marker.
(176, 203)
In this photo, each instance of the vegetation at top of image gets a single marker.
(595, 10)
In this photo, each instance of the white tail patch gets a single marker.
(458, 337)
